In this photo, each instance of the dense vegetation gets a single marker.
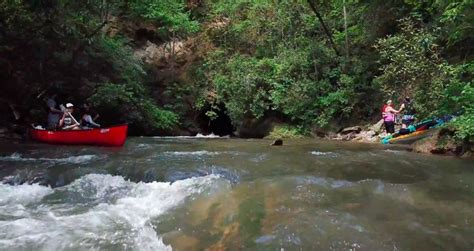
(310, 63)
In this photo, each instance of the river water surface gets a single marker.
(217, 194)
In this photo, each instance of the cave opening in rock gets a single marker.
(142, 35)
(214, 119)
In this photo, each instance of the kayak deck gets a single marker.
(410, 138)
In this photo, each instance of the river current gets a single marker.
(233, 194)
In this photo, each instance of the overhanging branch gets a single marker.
(326, 30)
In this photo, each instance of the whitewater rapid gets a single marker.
(96, 211)
(81, 159)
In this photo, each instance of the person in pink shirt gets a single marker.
(388, 115)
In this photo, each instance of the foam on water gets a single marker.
(329, 154)
(198, 136)
(80, 159)
(22, 194)
(393, 151)
(121, 218)
(194, 153)
(211, 136)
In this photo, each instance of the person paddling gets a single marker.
(67, 121)
(388, 115)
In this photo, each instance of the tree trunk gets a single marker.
(345, 28)
(173, 56)
(105, 16)
(326, 30)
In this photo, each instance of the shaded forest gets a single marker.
(181, 67)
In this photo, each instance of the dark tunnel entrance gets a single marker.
(214, 119)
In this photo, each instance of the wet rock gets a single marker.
(331, 135)
(349, 130)
(277, 142)
(468, 154)
(425, 145)
(316, 132)
(349, 136)
(366, 136)
(441, 142)
(377, 127)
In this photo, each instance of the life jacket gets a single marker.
(67, 121)
(383, 109)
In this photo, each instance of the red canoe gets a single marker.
(111, 136)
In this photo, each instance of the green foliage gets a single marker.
(128, 101)
(457, 19)
(257, 58)
(269, 59)
(465, 123)
(287, 132)
(110, 96)
(64, 43)
(241, 83)
(123, 102)
(170, 13)
(159, 118)
(409, 60)
(412, 66)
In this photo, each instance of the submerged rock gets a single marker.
(277, 142)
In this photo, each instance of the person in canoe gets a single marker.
(88, 118)
(68, 122)
(388, 115)
(54, 114)
(408, 117)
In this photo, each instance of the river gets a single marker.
(217, 194)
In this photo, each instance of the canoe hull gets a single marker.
(410, 138)
(111, 136)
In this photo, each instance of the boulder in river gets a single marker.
(441, 142)
(377, 127)
(317, 132)
(277, 142)
(367, 136)
(349, 130)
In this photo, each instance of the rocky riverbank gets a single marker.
(440, 141)
(365, 134)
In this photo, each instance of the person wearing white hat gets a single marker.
(68, 122)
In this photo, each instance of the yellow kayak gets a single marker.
(410, 138)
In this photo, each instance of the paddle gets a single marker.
(68, 113)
